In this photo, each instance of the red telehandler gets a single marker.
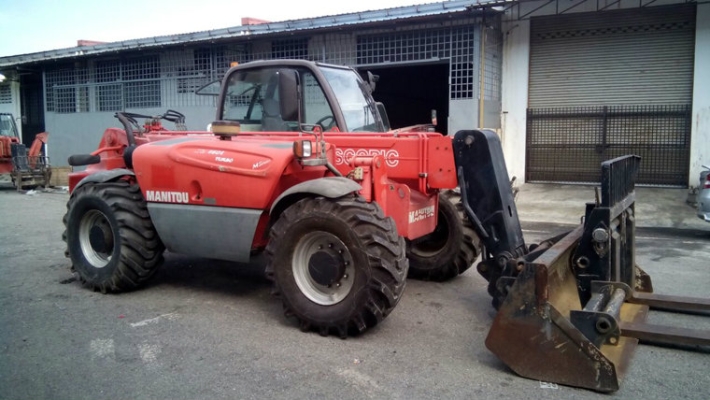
(299, 163)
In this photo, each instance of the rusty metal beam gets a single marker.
(665, 334)
(674, 303)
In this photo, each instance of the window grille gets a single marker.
(455, 44)
(65, 100)
(64, 78)
(108, 96)
(167, 80)
(462, 64)
(403, 46)
(290, 48)
(142, 86)
(131, 83)
(208, 64)
(114, 84)
(566, 144)
(5, 94)
(493, 65)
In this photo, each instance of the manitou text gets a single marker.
(166, 197)
(420, 214)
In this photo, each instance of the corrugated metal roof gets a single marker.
(333, 21)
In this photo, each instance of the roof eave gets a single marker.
(249, 31)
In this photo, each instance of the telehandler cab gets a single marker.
(299, 163)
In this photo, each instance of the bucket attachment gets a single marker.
(576, 311)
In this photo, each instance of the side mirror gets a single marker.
(289, 99)
(372, 79)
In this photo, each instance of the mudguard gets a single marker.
(330, 187)
(104, 176)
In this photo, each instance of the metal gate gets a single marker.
(608, 83)
(568, 144)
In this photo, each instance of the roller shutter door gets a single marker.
(609, 83)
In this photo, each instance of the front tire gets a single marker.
(448, 251)
(338, 266)
(110, 238)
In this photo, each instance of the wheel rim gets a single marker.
(323, 268)
(434, 242)
(96, 238)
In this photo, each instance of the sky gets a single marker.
(29, 26)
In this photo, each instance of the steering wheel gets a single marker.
(326, 118)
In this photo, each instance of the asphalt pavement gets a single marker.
(205, 329)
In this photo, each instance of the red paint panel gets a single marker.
(441, 169)
(238, 173)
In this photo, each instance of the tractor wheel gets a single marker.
(450, 249)
(110, 238)
(338, 266)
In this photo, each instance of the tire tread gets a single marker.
(385, 252)
(141, 250)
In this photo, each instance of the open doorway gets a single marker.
(31, 106)
(410, 92)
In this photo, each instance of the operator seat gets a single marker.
(271, 120)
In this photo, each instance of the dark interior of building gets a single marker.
(410, 92)
(31, 106)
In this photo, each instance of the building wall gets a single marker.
(80, 133)
(700, 131)
(516, 57)
(463, 115)
(81, 98)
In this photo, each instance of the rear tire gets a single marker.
(110, 238)
(338, 266)
(448, 251)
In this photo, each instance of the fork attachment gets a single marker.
(576, 311)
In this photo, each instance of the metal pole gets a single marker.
(482, 82)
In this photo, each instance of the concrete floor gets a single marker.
(565, 204)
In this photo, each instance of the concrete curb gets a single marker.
(565, 204)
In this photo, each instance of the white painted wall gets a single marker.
(463, 115)
(700, 131)
(491, 114)
(516, 62)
